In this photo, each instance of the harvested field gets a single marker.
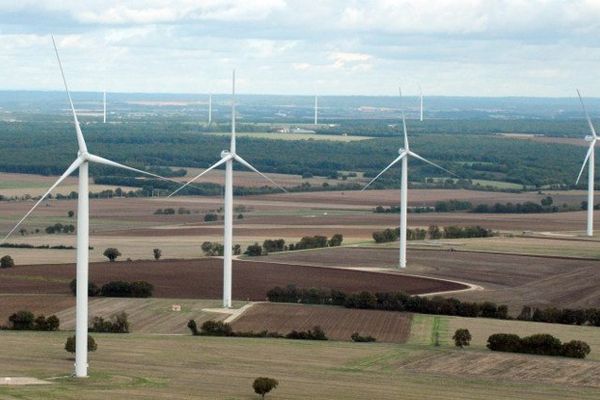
(502, 366)
(509, 279)
(202, 278)
(337, 322)
(183, 367)
(36, 303)
(149, 315)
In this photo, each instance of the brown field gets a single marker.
(202, 278)
(46, 304)
(148, 315)
(509, 279)
(337, 322)
(502, 366)
(548, 139)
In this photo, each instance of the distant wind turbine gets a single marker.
(421, 94)
(209, 109)
(589, 158)
(227, 158)
(404, 153)
(81, 162)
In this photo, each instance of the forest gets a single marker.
(49, 147)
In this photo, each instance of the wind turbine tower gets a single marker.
(421, 94)
(404, 153)
(104, 104)
(589, 158)
(209, 109)
(227, 158)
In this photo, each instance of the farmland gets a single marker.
(161, 367)
(508, 279)
(202, 278)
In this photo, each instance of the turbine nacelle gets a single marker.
(401, 150)
(589, 138)
(225, 153)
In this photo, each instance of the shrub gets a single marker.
(264, 385)
(462, 338)
(254, 250)
(540, 344)
(575, 349)
(157, 253)
(210, 217)
(336, 240)
(193, 327)
(212, 249)
(118, 323)
(127, 289)
(42, 323)
(70, 344)
(111, 253)
(93, 289)
(504, 342)
(315, 334)
(216, 328)
(361, 339)
(7, 262)
(22, 320)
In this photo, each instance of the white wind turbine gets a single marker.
(421, 95)
(404, 153)
(590, 157)
(81, 162)
(227, 158)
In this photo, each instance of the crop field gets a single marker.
(46, 304)
(294, 136)
(202, 278)
(152, 315)
(339, 323)
(141, 366)
(508, 279)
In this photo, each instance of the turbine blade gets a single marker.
(215, 165)
(405, 133)
(587, 157)
(68, 172)
(249, 166)
(431, 163)
(102, 160)
(232, 145)
(400, 157)
(80, 139)
(587, 116)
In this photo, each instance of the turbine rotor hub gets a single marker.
(589, 138)
(225, 153)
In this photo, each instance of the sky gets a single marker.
(540, 48)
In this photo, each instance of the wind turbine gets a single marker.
(227, 158)
(209, 109)
(316, 110)
(404, 153)
(590, 157)
(81, 162)
(421, 95)
(104, 104)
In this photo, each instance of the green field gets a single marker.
(294, 136)
(138, 366)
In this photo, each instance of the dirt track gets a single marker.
(202, 278)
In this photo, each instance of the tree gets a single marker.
(157, 254)
(254, 250)
(211, 217)
(22, 320)
(111, 253)
(71, 213)
(7, 262)
(547, 201)
(70, 344)
(462, 338)
(336, 240)
(264, 385)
